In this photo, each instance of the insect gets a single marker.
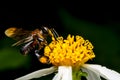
(33, 40)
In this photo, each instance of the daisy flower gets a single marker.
(68, 57)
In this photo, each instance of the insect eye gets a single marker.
(40, 39)
(45, 29)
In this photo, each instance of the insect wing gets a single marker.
(17, 33)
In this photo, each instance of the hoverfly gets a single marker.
(33, 40)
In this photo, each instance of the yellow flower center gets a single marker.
(69, 52)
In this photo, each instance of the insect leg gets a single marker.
(26, 48)
(25, 40)
(42, 59)
(37, 54)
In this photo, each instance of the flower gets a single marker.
(68, 57)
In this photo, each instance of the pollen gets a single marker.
(43, 60)
(73, 51)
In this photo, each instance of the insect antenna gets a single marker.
(55, 34)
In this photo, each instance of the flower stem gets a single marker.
(78, 74)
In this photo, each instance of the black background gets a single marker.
(32, 16)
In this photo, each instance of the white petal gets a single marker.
(92, 75)
(57, 77)
(64, 73)
(37, 74)
(103, 71)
